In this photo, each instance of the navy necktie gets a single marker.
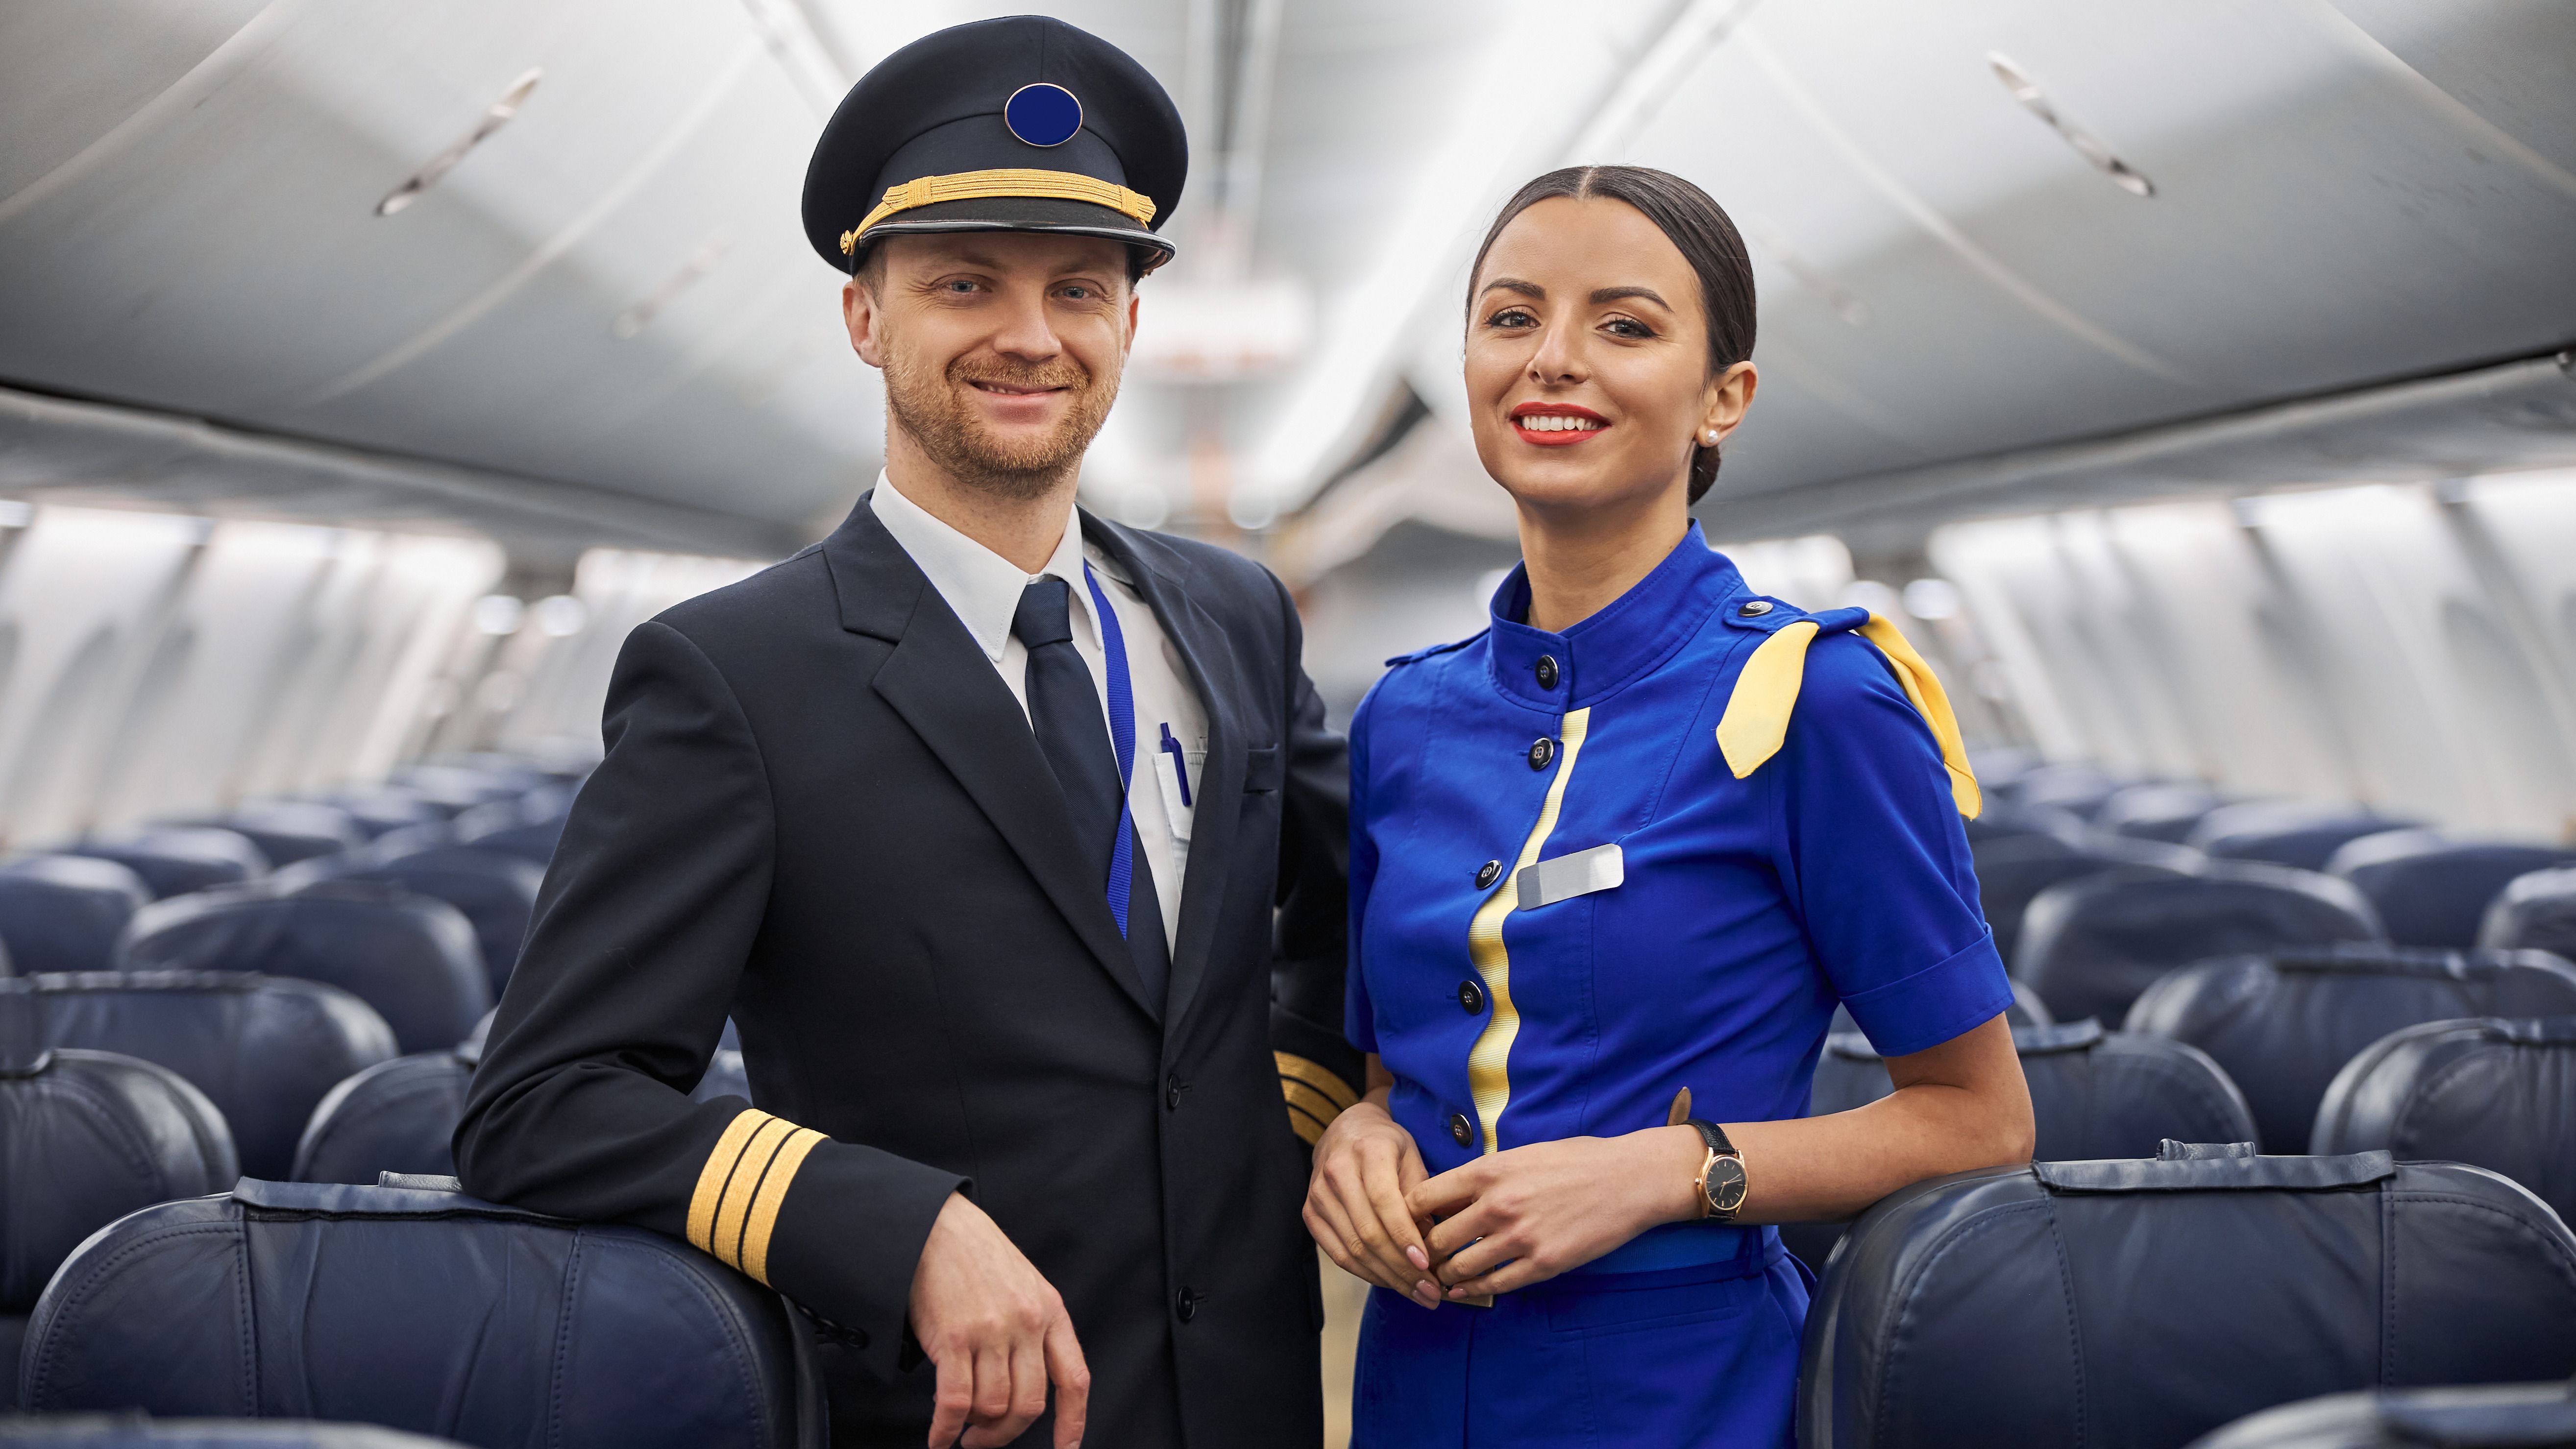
(1073, 734)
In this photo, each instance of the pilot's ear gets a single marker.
(859, 311)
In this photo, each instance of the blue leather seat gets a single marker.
(400, 1116)
(2497, 1093)
(2089, 946)
(287, 831)
(264, 1050)
(2498, 1416)
(1999, 821)
(87, 1138)
(2012, 872)
(2432, 888)
(387, 808)
(174, 860)
(497, 891)
(2534, 912)
(2143, 1302)
(140, 1431)
(2076, 787)
(64, 912)
(413, 959)
(2303, 833)
(2283, 1023)
(2093, 1094)
(2158, 812)
(425, 1310)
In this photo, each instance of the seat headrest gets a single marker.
(141, 1431)
(2090, 946)
(2499, 1093)
(64, 912)
(414, 959)
(2535, 910)
(2501, 1416)
(2151, 1301)
(2433, 887)
(396, 1116)
(421, 1310)
(177, 859)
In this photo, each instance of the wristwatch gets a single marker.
(1722, 1183)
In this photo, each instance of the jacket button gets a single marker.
(1488, 873)
(1186, 1303)
(1755, 608)
(1546, 668)
(1173, 1087)
(1471, 997)
(1541, 751)
(1460, 1129)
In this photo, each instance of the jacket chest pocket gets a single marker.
(1263, 769)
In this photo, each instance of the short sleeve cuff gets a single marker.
(1936, 1004)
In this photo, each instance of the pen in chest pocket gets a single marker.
(1180, 765)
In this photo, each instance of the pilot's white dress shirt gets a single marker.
(982, 589)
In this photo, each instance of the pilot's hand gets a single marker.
(997, 1332)
(1364, 1165)
(1524, 1215)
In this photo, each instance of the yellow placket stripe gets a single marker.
(1489, 1078)
(744, 1183)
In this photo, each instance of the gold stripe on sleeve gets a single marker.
(1489, 1061)
(1318, 1077)
(1313, 1103)
(735, 1205)
(771, 1195)
(717, 1172)
(1308, 1127)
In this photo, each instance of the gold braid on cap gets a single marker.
(1012, 181)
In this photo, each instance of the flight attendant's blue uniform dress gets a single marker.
(1774, 799)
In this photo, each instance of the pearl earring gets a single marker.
(1711, 435)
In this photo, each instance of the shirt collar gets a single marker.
(981, 587)
(1634, 633)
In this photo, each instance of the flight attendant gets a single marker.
(1011, 839)
(1615, 860)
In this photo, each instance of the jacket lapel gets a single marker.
(1209, 657)
(942, 685)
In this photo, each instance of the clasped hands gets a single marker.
(1498, 1223)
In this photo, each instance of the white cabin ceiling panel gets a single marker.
(69, 80)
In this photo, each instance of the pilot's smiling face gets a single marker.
(1001, 350)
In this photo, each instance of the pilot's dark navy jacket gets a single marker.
(1741, 815)
(823, 813)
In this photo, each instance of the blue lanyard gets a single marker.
(1122, 736)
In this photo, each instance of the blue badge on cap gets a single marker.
(1042, 114)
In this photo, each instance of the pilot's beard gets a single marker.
(932, 409)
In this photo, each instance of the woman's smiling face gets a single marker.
(1588, 373)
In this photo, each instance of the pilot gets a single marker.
(1616, 859)
(1011, 839)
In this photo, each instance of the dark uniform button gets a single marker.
(1471, 996)
(1186, 1303)
(1755, 608)
(1173, 1087)
(1488, 873)
(1541, 751)
(1460, 1129)
(1546, 671)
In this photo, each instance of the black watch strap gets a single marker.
(1714, 1136)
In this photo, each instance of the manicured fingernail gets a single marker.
(1418, 1258)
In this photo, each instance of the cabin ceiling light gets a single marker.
(640, 316)
(2086, 144)
(445, 161)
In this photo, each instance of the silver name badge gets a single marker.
(1599, 869)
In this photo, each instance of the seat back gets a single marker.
(175, 860)
(400, 1116)
(2500, 1416)
(413, 959)
(496, 891)
(287, 831)
(2011, 872)
(263, 1050)
(2284, 1023)
(2432, 888)
(2089, 946)
(2497, 1093)
(2157, 812)
(88, 1137)
(2302, 833)
(425, 1310)
(2071, 786)
(135, 1431)
(64, 912)
(2135, 1304)
(2536, 911)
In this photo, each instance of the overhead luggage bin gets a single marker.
(2285, 1022)
(2090, 946)
(2500, 1416)
(65, 912)
(2148, 1302)
(418, 1308)
(175, 860)
(137, 1431)
(2497, 1093)
(2432, 887)
(414, 959)
(263, 1050)
(2534, 912)
(2303, 833)
(88, 1137)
